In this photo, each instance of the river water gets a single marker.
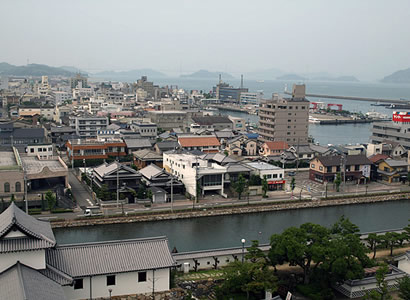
(227, 231)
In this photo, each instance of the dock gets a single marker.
(354, 98)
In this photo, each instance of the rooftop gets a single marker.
(7, 159)
(33, 165)
(198, 141)
(259, 165)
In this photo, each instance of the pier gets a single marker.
(354, 98)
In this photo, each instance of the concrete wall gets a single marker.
(125, 284)
(35, 259)
(404, 265)
(208, 262)
(11, 177)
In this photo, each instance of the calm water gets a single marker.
(227, 231)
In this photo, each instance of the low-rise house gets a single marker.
(273, 148)
(273, 174)
(391, 170)
(146, 157)
(137, 144)
(376, 159)
(206, 144)
(242, 146)
(165, 146)
(393, 149)
(33, 264)
(357, 168)
(154, 176)
(403, 262)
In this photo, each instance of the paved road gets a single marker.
(81, 194)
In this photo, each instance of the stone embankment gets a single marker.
(231, 210)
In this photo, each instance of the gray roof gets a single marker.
(237, 168)
(335, 160)
(147, 154)
(89, 259)
(211, 120)
(219, 157)
(167, 145)
(39, 234)
(61, 129)
(28, 132)
(138, 143)
(151, 171)
(56, 275)
(25, 283)
(396, 163)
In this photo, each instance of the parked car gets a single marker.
(292, 173)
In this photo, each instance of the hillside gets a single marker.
(402, 76)
(32, 70)
(340, 78)
(290, 77)
(205, 74)
(137, 73)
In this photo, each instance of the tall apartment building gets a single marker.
(398, 130)
(87, 126)
(149, 87)
(79, 81)
(285, 119)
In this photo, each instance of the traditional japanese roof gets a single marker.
(377, 157)
(198, 141)
(335, 160)
(151, 171)
(167, 145)
(38, 234)
(277, 145)
(138, 143)
(219, 158)
(147, 154)
(105, 169)
(89, 259)
(20, 282)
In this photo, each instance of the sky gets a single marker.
(365, 38)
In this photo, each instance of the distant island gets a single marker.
(137, 73)
(290, 77)
(402, 76)
(74, 70)
(205, 74)
(340, 78)
(264, 74)
(33, 70)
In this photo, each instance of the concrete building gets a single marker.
(168, 120)
(44, 87)
(273, 174)
(149, 87)
(42, 151)
(45, 111)
(212, 123)
(83, 149)
(34, 266)
(397, 130)
(20, 137)
(228, 94)
(238, 124)
(61, 96)
(251, 98)
(145, 129)
(87, 126)
(285, 119)
(78, 81)
(195, 173)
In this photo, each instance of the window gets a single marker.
(142, 276)
(18, 187)
(320, 168)
(110, 280)
(312, 165)
(78, 284)
(32, 150)
(7, 187)
(357, 167)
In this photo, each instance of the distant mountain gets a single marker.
(137, 73)
(205, 74)
(32, 70)
(73, 70)
(402, 76)
(264, 74)
(340, 78)
(291, 77)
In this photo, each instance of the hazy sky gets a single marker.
(365, 38)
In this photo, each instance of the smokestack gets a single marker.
(241, 81)
(220, 78)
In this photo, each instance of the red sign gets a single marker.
(277, 182)
(403, 117)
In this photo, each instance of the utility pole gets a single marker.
(172, 190)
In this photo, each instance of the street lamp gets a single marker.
(110, 291)
(243, 249)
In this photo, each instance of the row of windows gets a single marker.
(110, 279)
(7, 187)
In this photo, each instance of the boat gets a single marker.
(376, 115)
(379, 104)
(314, 120)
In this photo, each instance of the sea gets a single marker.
(323, 134)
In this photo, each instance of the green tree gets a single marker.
(13, 198)
(390, 240)
(301, 247)
(382, 291)
(240, 185)
(373, 240)
(338, 181)
(292, 184)
(247, 278)
(51, 200)
(264, 187)
(254, 180)
(142, 192)
(404, 287)
(254, 253)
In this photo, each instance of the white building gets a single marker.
(31, 263)
(251, 98)
(61, 96)
(191, 169)
(273, 174)
(42, 151)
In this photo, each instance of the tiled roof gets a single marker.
(138, 143)
(377, 157)
(39, 234)
(198, 141)
(147, 154)
(396, 163)
(167, 145)
(151, 171)
(22, 283)
(278, 145)
(56, 275)
(335, 160)
(88, 259)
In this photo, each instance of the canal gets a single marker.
(227, 231)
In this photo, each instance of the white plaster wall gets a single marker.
(404, 265)
(224, 260)
(35, 259)
(125, 284)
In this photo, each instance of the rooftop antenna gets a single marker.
(241, 81)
